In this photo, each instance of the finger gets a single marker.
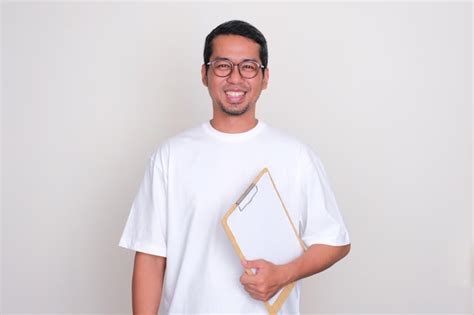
(256, 289)
(248, 269)
(254, 293)
(259, 263)
(248, 279)
(257, 296)
(252, 287)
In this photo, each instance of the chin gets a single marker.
(234, 111)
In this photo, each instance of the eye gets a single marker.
(249, 66)
(222, 65)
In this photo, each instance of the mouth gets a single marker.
(235, 96)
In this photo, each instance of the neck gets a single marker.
(231, 124)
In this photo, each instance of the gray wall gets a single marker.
(381, 91)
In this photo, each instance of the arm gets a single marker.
(270, 278)
(147, 283)
(317, 258)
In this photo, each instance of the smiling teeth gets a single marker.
(234, 94)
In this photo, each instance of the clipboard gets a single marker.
(259, 227)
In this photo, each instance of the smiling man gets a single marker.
(234, 93)
(184, 263)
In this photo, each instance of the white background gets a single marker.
(382, 91)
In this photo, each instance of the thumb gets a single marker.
(258, 263)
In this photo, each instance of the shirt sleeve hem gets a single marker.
(326, 241)
(143, 248)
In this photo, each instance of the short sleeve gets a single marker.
(145, 230)
(322, 220)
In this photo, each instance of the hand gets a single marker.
(267, 281)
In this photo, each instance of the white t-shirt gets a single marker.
(191, 181)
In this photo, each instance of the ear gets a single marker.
(204, 75)
(266, 76)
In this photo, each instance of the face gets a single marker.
(234, 95)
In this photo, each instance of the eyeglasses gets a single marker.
(248, 69)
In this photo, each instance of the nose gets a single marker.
(234, 76)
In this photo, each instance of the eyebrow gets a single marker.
(247, 59)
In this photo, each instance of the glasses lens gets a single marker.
(248, 69)
(222, 68)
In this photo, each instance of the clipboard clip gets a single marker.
(247, 197)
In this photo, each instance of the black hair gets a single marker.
(237, 27)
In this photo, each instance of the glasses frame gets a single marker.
(211, 63)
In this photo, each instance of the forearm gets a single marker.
(315, 259)
(147, 283)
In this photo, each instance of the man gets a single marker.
(194, 177)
